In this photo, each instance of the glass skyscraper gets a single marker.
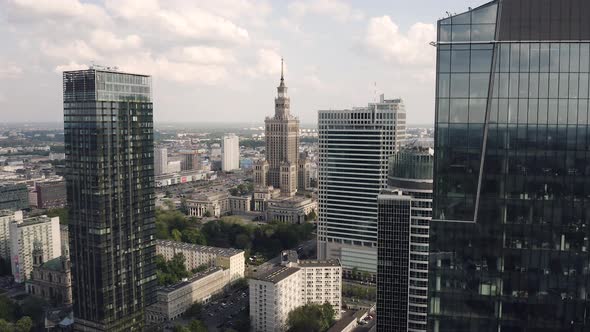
(510, 233)
(354, 150)
(405, 210)
(110, 188)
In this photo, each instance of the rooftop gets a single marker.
(276, 274)
(53, 264)
(200, 248)
(190, 280)
(319, 263)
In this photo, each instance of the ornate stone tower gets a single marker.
(282, 142)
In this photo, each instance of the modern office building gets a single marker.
(6, 218)
(108, 123)
(51, 194)
(276, 292)
(160, 161)
(189, 161)
(282, 144)
(26, 235)
(14, 196)
(230, 155)
(354, 149)
(405, 210)
(509, 237)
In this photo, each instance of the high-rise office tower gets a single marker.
(405, 209)
(189, 161)
(108, 125)
(354, 149)
(510, 234)
(282, 143)
(230, 153)
(160, 161)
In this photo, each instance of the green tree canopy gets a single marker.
(197, 326)
(311, 318)
(24, 324)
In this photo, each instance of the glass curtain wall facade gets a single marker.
(108, 125)
(405, 210)
(509, 236)
(354, 149)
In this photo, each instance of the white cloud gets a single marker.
(384, 38)
(108, 41)
(202, 55)
(58, 10)
(336, 9)
(268, 64)
(77, 50)
(162, 67)
(70, 66)
(10, 70)
(181, 20)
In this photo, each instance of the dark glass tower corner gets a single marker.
(509, 236)
(108, 125)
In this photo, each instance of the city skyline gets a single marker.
(236, 51)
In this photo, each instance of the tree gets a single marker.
(194, 311)
(192, 235)
(8, 309)
(311, 317)
(24, 324)
(311, 216)
(207, 214)
(243, 241)
(180, 328)
(5, 326)
(62, 213)
(176, 235)
(197, 326)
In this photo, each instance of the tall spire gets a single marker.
(282, 77)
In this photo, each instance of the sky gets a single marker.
(220, 60)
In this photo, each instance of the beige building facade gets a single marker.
(197, 255)
(173, 301)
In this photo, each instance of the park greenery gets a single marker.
(242, 189)
(311, 317)
(172, 271)
(193, 326)
(62, 213)
(360, 292)
(20, 317)
(267, 240)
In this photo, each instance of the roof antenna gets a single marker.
(282, 79)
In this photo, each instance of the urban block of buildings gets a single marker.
(276, 292)
(25, 235)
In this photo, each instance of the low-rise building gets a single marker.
(239, 204)
(26, 235)
(51, 194)
(197, 255)
(173, 301)
(51, 279)
(170, 179)
(217, 204)
(14, 196)
(290, 210)
(294, 283)
(261, 196)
